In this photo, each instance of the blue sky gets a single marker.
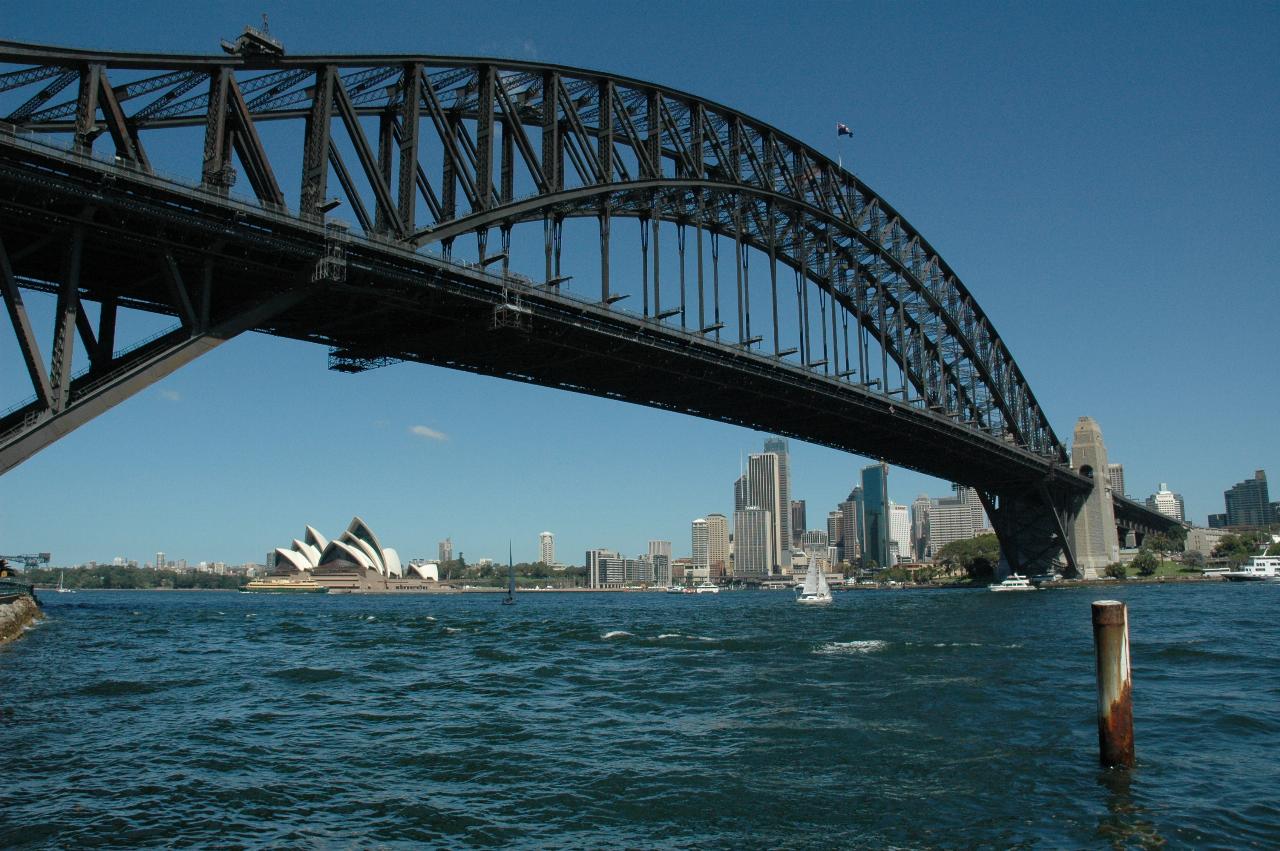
(1103, 177)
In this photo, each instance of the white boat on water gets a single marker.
(61, 589)
(707, 588)
(1015, 582)
(815, 591)
(1257, 569)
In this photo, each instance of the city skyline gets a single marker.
(1006, 188)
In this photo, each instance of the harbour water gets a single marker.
(739, 720)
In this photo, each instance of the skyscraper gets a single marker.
(445, 549)
(764, 491)
(1115, 474)
(835, 525)
(547, 547)
(851, 526)
(160, 561)
(660, 548)
(797, 522)
(875, 515)
(1249, 503)
(752, 543)
(1168, 503)
(701, 563)
(900, 529)
(740, 494)
(782, 522)
(920, 527)
(718, 544)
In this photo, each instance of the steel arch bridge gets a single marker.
(769, 287)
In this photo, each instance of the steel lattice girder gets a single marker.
(588, 129)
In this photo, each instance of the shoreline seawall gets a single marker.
(17, 612)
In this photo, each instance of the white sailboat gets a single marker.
(61, 589)
(816, 591)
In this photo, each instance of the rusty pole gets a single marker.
(1115, 683)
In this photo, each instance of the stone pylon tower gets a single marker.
(1093, 533)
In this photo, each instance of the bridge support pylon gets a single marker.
(1093, 532)
(1032, 525)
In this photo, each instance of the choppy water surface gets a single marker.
(891, 719)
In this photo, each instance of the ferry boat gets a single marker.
(1015, 582)
(707, 588)
(1258, 569)
(285, 585)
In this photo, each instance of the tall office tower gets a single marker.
(701, 547)
(835, 525)
(160, 561)
(797, 522)
(445, 548)
(1249, 503)
(752, 543)
(660, 548)
(547, 547)
(718, 545)
(741, 497)
(782, 522)
(597, 574)
(851, 522)
(970, 497)
(764, 491)
(1115, 475)
(875, 515)
(659, 568)
(900, 529)
(920, 527)
(1168, 503)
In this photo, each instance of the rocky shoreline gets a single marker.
(17, 612)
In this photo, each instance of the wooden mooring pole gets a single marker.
(1115, 683)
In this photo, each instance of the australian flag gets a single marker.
(843, 130)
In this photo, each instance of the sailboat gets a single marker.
(61, 589)
(816, 591)
(510, 599)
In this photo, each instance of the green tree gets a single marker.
(977, 556)
(1116, 570)
(1145, 562)
(1237, 548)
(1194, 559)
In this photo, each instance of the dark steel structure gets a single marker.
(770, 287)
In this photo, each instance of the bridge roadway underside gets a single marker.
(156, 246)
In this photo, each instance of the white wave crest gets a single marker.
(450, 630)
(617, 633)
(834, 648)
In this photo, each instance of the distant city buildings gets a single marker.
(900, 532)
(782, 521)
(445, 550)
(797, 522)
(1167, 503)
(752, 543)
(955, 518)
(547, 547)
(700, 563)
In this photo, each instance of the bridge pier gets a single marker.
(1032, 526)
(1093, 532)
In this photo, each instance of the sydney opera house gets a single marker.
(354, 561)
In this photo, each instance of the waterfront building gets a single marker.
(547, 547)
(875, 516)
(701, 550)
(597, 575)
(159, 561)
(752, 543)
(797, 521)
(1217, 521)
(782, 520)
(659, 567)
(814, 544)
(920, 527)
(952, 519)
(718, 545)
(354, 561)
(1249, 503)
(1167, 503)
(445, 550)
(900, 531)
(1115, 475)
